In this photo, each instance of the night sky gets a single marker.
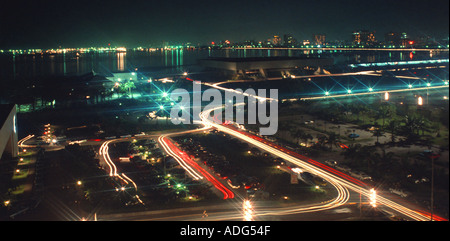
(50, 24)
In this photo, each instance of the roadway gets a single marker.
(341, 181)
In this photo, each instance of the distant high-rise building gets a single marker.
(276, 41)
(392, 38)
(363, 37)
(405, 40)
(319, 39)
(289, 40)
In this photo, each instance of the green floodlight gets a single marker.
(327, 93)
(410, 86)
(164, 94)
(370, 89)
(349, 91)
(428, 84)
(161, 107)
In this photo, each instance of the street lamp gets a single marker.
(248, 210)
(373, 198)
(420, 100)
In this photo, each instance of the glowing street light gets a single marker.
(349, 91)
(410, 86)
(327, 93)
(428, 84)
(420, 100)
(386, 95)
(373, 198)
(248, 211)
(370, 89)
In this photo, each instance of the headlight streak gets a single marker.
(336, 181)
(104, 151)
(183, 164)
(189, 165)
(343, 194)
(22, 141)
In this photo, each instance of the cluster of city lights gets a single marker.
(371, 90)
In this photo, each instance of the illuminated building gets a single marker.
(392, 38)
(276, 40)
(405, 40)
(363, 37)
(319, 39)
(289, 40)
(8, 130)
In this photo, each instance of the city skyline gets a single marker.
(47, 25)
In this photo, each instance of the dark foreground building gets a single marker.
(8, 130)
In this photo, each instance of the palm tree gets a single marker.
(384, 111)
(392, 126)
(377, 132)
(332, 139)
(384, 160)
(410, 127)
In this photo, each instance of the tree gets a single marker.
(127, 86)
(377, 132)
(384, 161)
(392, 127)
(332, 139)
(385, 111)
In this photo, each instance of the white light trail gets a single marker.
(340, 183)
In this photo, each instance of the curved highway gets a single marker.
(339, 179)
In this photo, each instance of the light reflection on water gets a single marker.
(30, 66)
